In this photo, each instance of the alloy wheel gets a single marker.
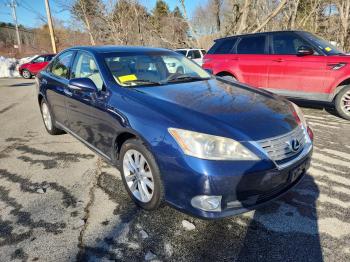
(345, 102)
(26, 74)
(46, 116)
(138, 175)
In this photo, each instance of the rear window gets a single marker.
(252, 45)
(223, 46)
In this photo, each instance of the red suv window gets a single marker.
(251, 45)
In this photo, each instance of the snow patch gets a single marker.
(9, 66)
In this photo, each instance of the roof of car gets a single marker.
(115, 48)
(259, 33)
(180, 49)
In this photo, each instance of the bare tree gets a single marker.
(270, 16)
(344, 12)
(193, 33)
(217, 4)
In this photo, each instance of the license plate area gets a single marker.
(297, 171)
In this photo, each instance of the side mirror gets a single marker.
(305, 50)
(82, 84)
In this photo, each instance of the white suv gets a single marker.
(193, 53)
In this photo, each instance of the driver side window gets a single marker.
(287, 43)
(85, 66)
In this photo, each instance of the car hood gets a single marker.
(220, 107)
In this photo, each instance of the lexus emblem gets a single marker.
(294, 145)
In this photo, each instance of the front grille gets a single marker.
(279, 148)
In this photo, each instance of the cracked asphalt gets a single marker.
(61, 202)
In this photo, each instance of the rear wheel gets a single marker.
(48, 119)
(342, 103)
(140, 174)
(26, 74)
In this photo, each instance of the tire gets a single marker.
(26, 74)
(229, 78)
(48, 119)
(146, 175)
(342, 103)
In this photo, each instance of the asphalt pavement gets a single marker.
(61, 202)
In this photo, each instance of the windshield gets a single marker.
(153, 69)
(327, 47)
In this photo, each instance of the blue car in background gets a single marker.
(207, 146)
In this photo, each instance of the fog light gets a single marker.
(207, 203)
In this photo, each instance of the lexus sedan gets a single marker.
(207, 146)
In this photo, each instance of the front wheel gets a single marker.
(140, 174)
(26, 74)
(342, 103)
(229, 77)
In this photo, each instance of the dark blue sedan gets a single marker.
(207, 146)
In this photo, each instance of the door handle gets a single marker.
(279, 60)
(67, 92)
(72, 87)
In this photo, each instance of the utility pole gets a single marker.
(13, 6)
(49, 22)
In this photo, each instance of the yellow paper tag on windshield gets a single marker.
(125, 78)
(328, 49)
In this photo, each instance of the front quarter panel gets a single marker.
(139, 119)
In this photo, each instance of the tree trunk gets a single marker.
(87, 22)
(293, 15)
(344, 9)
(193, 33)
(243, 17)
(217, 7)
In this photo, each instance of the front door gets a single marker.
(294, 75)
(87, 111)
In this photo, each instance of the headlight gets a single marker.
(210, 147)
(299, 115)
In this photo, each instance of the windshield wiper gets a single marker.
(178, 78)
(142, 81)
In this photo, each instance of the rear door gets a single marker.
(252, 59)
(293, 75)
(56, 80)
(220, 57)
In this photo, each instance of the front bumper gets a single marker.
(243, 185)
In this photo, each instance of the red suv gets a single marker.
(295, 64)
(33, 67)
